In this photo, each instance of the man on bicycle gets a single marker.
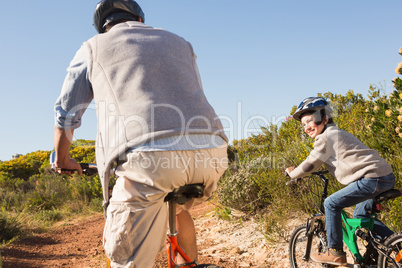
(352, 163)
(153, 120)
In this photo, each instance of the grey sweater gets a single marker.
(346, 157)
(146, 87)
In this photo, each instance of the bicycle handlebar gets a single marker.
(87, 168)
(293, 181)
(317, 173)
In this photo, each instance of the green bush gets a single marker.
(240, 191)
(85, 187)
(394, 216)
(10, 228)
(49, 216)
(24, 166)
(50, 192)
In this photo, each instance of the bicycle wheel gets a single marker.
(298, 244)
(394, 243)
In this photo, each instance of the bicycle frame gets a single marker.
(349, 228)
(172, 249)
(349, 231)
(172, 246)
(316, 220)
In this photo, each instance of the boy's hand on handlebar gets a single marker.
(69, 166)
(288, 170)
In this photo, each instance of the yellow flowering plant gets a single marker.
(398, 70)
(388, 113)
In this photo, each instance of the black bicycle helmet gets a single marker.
(124, 9)
(311, 104)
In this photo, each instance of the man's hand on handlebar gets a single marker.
(68, 166)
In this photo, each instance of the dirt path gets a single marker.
(79, 244)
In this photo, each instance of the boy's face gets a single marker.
(311, 128)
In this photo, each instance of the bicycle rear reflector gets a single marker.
(398, 257)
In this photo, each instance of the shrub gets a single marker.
(10, 228)
(24, 166)
(49, 216)
(50, 192)
(239, 190)
(85, 187)
(394, 216)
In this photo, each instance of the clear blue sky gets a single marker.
(257, 58)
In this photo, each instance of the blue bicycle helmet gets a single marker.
(311, 104)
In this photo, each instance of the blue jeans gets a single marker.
(360, 192)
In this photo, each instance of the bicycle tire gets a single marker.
(297, 246)
(394, 242)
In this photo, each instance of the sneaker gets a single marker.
(332, 256)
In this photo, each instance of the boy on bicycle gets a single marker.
(352, 163)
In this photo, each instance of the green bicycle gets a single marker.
(311, 237)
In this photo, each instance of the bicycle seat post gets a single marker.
(172, 218)
(180, 196)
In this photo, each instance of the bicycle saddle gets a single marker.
(390, 194)
(184, 193)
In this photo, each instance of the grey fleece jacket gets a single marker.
(345, 157)
(146, 87)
